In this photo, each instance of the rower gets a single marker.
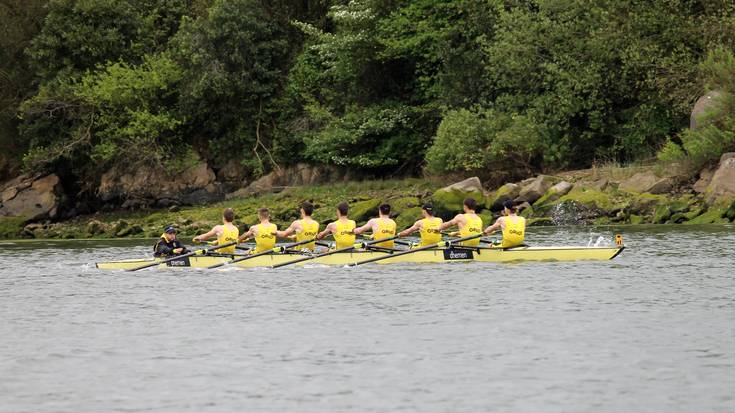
(513, 226)
(304, 229)
(341, 229)
(429, 227)
(469, 223)
(225, 233)
(264, 233)
(168, 245)
(381, 227)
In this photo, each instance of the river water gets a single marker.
(651, 331)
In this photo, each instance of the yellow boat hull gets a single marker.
(428, 256)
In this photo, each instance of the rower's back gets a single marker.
(265, 232)
(430, 232)
(386, 228)
(228, 232)
(343, 235)
(514, 231)
(472, 223)
(309, 229)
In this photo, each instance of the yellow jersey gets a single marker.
(473, 227)
(229, 234)
(309, 229)
(265, 237)
(386, 229)
(430, 231)
(343, 235)
(514, 232)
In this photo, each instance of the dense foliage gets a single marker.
(715, 132)
(384, 86)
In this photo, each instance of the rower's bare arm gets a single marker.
(494, 227)
(360, 230)
(208, 235)
(247, 235)
(286, 232)
(408, 231)
(328, 230)
(452, 222)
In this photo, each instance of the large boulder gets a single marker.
(722, 185)
(507, 192)
(448, 200)
(648, 182)
(154, 186)
(703, 104)
(33, 198)
(535, 189)
(705, 177)
(555, 192)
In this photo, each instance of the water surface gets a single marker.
(652, 330)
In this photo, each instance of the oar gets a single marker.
(204, 251)
(428, 247)
(259, 254)
(324, 254)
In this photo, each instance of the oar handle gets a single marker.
(178, 257)
(441, 244)
(259, 254)
(324, 254)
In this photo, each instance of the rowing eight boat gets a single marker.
(455, 254)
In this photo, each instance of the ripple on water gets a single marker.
(652, 330)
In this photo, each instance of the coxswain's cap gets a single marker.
(170, 229)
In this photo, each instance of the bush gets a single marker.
(716, 131)
(471, 141)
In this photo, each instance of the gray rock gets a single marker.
(468, 185)
(32, 198)
(648, 182)
(535, 189)
(703, 104)
(722, 186)
(507, 192)
(705, 177)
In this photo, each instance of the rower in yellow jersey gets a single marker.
(225, 233)
(264, 233)
(513, 226)
(341, 229)
(468, 223)
(304, 228)
(381, 227)
(429, 227)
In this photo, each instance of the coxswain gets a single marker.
(341, 229)
(429, 227)
(512, 225)
(303, 229)
(381, 227)
(469, 223)
(168, 245)
(264, 233)
(225, 233)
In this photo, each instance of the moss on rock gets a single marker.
(448, 203)
(593, 198)
(364, 210)
(11, 227)
(713, 216)
(407, 217)
(636, 219)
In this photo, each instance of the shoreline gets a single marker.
(589, 200)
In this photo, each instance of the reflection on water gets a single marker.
(653, 330)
